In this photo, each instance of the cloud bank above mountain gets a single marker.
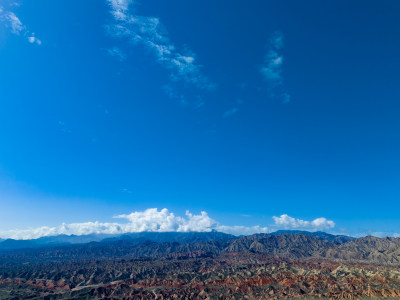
(288, 222)
(154, 220)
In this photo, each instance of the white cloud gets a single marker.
(288, 222)
(164, 221)
(149, 32)
(150, 220)
(154, 220)
(33, 40)
(11, 21)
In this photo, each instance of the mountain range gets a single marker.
(63, 240)
(207, 265)
(180, 237)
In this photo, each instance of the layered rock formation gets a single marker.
(262, 266)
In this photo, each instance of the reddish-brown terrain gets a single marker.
(254, 267)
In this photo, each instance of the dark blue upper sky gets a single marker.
(243, 109)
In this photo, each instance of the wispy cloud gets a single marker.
(379, 234)
(272, 68)
(273, 62)
(287, 222)
(154, 220)
(10, 20)
(117, 53)
(13, 22)
(125, 190)
(286, 98)
(230, 112)
(63, 127)
(233, 110)
(243, 230)
(150, 33)
(174, 94)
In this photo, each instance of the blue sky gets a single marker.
(245, 110)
